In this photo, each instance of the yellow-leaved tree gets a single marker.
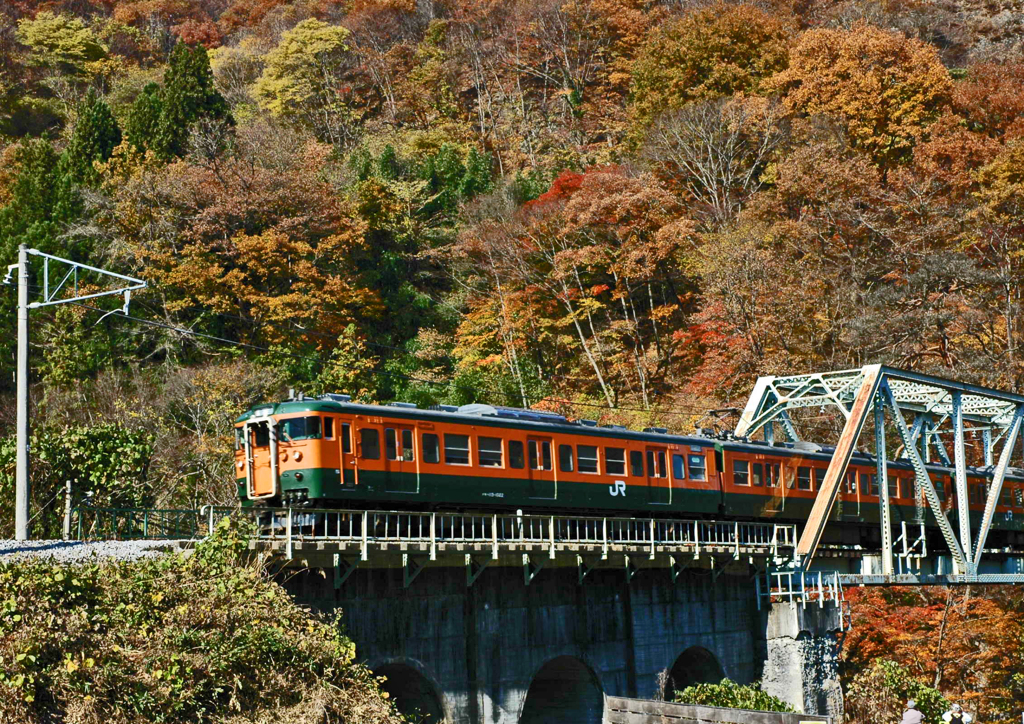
(303, 79)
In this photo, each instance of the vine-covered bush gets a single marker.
(729, 694)
(203, 639)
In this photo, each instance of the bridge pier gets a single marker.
(502, 652)
(802, 663)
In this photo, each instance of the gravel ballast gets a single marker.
(62, 551)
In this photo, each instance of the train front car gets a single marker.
(292, 453)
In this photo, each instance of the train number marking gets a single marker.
(618, 489)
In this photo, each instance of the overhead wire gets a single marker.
(681, 411)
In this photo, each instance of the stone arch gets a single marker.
(696, 665)
(564, 690)
(415, 694)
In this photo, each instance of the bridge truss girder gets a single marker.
(936, 405)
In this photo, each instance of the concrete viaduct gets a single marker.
(524, 620)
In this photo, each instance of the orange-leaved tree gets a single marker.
(885, 88)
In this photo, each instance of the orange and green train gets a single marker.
(328, 452)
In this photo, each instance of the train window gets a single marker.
(678, 467)
(565, 458)
(615, 461)
(940, 489)
(239, 438)
(773, 475)
(803, 478)
(662, 465)
(588, 458)
(757, 474)
(1018, 496)
(346, 437)
(489, 452)
(740, 472)
(894, 491)
(390, 444)
(540, 455)
(456, 449)
(906, 488)
(698, 469)
(1004, 497)
(431, 448)
(329, 427)
(636, 463)
(408, 449)
(370, 440)
(865, 484)
(873, 489)
(515, 454)
(819, 477)
(301, 428)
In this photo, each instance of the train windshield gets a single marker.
(301, 428)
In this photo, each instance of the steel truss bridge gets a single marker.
(924, 412)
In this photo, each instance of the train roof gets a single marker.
(475, 414)
(494, 416)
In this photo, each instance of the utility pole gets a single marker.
(21, 490)
(64, 292)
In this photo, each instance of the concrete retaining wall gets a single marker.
(640, 711)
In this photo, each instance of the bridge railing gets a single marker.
(437, 528)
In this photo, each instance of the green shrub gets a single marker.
(731, 695)
(207, 638)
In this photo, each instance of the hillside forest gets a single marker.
(624, 210)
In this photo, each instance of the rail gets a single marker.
(431, 529)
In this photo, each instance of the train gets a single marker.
(330, 452)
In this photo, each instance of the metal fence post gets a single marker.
(494, 537)
(604, 535)
(363, 548)
(551, 536)
(433, 538)
(67, 510)
(652, 539)
(288, 545)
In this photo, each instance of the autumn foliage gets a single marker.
(620, 209)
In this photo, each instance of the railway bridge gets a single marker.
(507, 618)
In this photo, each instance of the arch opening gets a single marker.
(413, 694)
(564, 690)
(696, 665)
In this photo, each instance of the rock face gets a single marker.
(802, 664)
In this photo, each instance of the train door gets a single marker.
(346, 454)
(659, 490)
(261, 458)
(541, 468)
(775, 487)
(400, 474)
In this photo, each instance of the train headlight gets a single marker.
(297, 455)
(241, 464)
